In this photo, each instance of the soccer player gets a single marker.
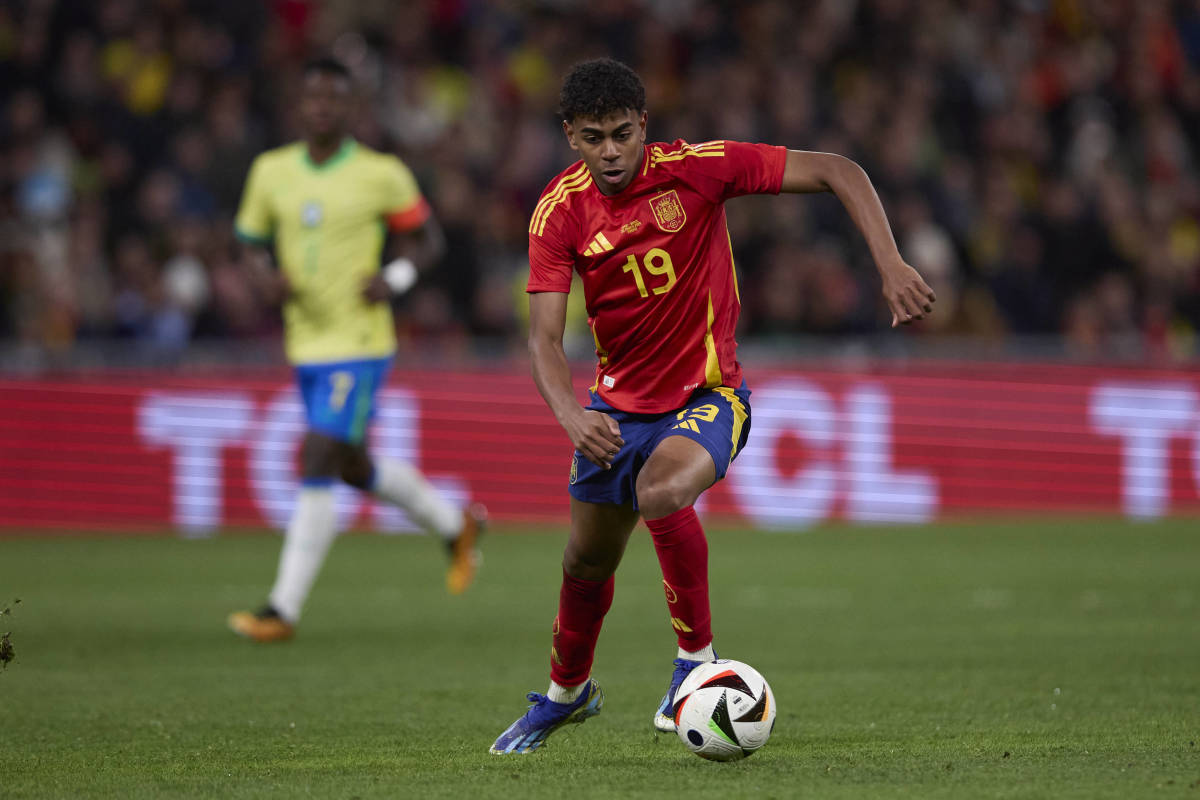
(326, 203)
(644, 226)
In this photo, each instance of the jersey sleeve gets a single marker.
(254, 223)
(745, 168)
(404, 207)
(550, 260)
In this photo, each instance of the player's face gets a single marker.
(611, 147)
(325, 105)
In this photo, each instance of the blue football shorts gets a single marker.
(718, 419)
(339, 396)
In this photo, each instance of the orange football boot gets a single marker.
(464, 550)
(264, 625)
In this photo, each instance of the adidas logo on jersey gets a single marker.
(600, 244)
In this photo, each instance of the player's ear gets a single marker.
(569, 131)
(642, 126)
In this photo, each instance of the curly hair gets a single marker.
(600, 88)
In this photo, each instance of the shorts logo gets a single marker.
(574, 472)
(310, 214)
(668, 211)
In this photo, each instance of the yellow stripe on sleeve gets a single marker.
(549, 196)
(578, 178)
(714, 149)
(584, 183)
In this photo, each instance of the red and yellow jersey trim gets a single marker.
(575, 181)
(712, 364)
(713, 149)
(733, 266)
(601, 354)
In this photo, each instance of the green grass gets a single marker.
(1026, 659)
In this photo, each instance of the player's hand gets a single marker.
(907, 294)
(596, 435)
(265, 279)
(274, 286)
(376, 290)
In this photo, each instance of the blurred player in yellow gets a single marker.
(326, 204)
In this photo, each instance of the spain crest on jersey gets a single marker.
(668, 211)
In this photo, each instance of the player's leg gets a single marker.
(309, 535)
(599, 533)
(673, 478)
(312, 528)
(405, 487)
(337, 403)
(668, 487)
(694, 451)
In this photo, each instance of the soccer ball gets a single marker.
(724, 710)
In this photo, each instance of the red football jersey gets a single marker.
(657, 266)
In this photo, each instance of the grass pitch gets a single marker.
(1027, 659)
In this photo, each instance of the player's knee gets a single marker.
(589, 565)
(354, 466)
(659, 498)
(357, 473)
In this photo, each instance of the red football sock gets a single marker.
(683, 555)
(581, 609)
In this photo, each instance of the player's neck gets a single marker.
(324, 148)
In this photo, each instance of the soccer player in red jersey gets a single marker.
(644, 226)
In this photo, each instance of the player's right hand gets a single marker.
(283, 287)
(596, 435)
(908, 296)
(274, 286)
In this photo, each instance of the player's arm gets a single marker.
(425, 246)
(254, 228)
(409, 252)
(907, 294)
(416, 242)
(593, 433)
(268, 280)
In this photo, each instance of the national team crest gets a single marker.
(668, 211)
(311, 214)
(574, 472)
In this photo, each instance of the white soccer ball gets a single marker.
(724, 710)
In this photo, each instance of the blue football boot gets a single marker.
(664, 717)
(544, 717)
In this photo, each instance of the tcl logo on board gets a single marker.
(849, 471)
(908, 446)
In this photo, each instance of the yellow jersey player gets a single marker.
(326, 204)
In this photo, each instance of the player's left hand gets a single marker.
(376, 290)
(907, 294)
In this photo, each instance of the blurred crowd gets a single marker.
(1036, 157)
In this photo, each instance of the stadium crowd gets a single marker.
(1036, 157)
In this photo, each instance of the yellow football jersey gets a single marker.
(328, 223)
